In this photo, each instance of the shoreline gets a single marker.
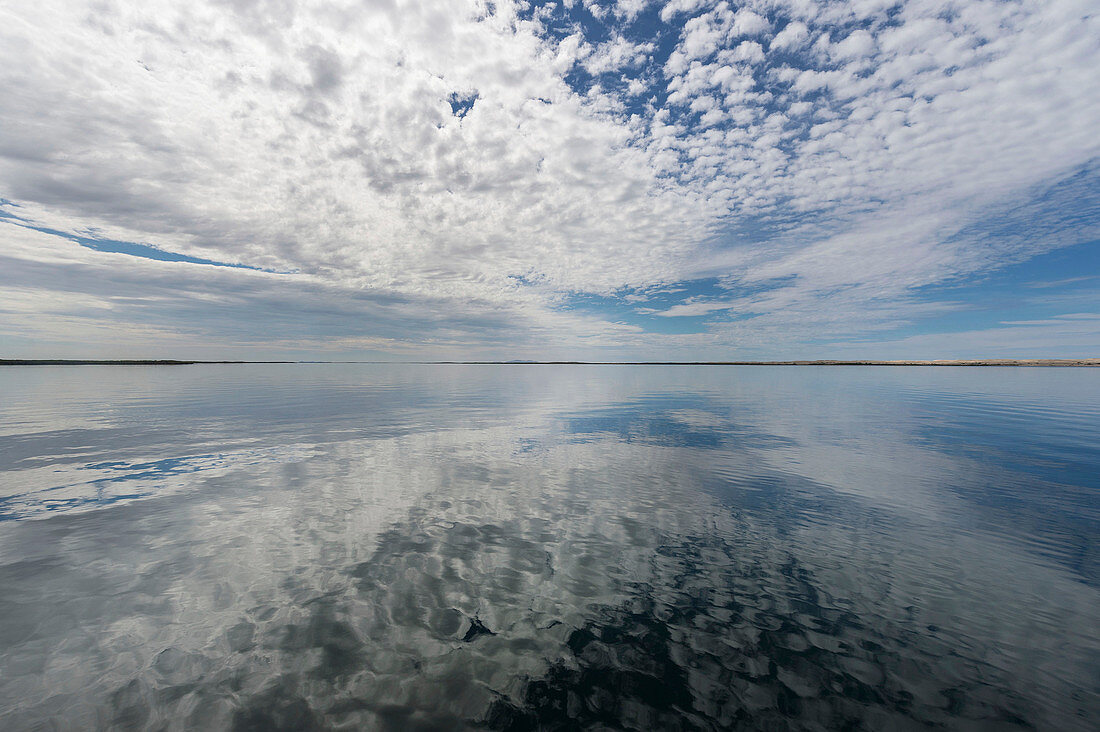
(1026, 362)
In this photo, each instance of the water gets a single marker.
(447, 547)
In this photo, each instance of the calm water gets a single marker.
(446, 547)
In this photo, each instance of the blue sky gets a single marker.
(590, 180)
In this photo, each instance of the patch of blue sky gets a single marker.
(643, 307)
(146, 251)
(461, 104)
(115, 246)
(1064, 281)
(1051, 244)
(6, 204)
(615, 309)
(1064, 212)
(1061, 222)
(1050, 286)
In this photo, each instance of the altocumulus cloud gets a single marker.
(575, 179)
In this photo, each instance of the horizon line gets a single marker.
(1062, 362)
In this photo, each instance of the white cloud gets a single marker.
(748, 23)
(675, 7)
(319, 139)
(857, 45)
(616, 54)
(630, 9)
(792, 36)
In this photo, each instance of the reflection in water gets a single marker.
(306, 547)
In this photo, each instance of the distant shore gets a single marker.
(89, 362)
(1063, 362)
(825, 362)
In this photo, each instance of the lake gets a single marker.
(549, 547)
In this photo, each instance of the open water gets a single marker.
(549, 547)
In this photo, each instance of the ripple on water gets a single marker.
(683, 549)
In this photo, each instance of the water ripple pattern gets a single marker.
(306, 547)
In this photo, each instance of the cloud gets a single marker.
(793, 35)
(116, 304)
(835, 159)
(859, 44)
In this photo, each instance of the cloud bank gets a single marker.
(573, 179)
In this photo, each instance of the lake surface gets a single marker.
(558, 547)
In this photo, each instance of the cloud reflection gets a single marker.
(674, 554)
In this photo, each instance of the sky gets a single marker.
(624, 180)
